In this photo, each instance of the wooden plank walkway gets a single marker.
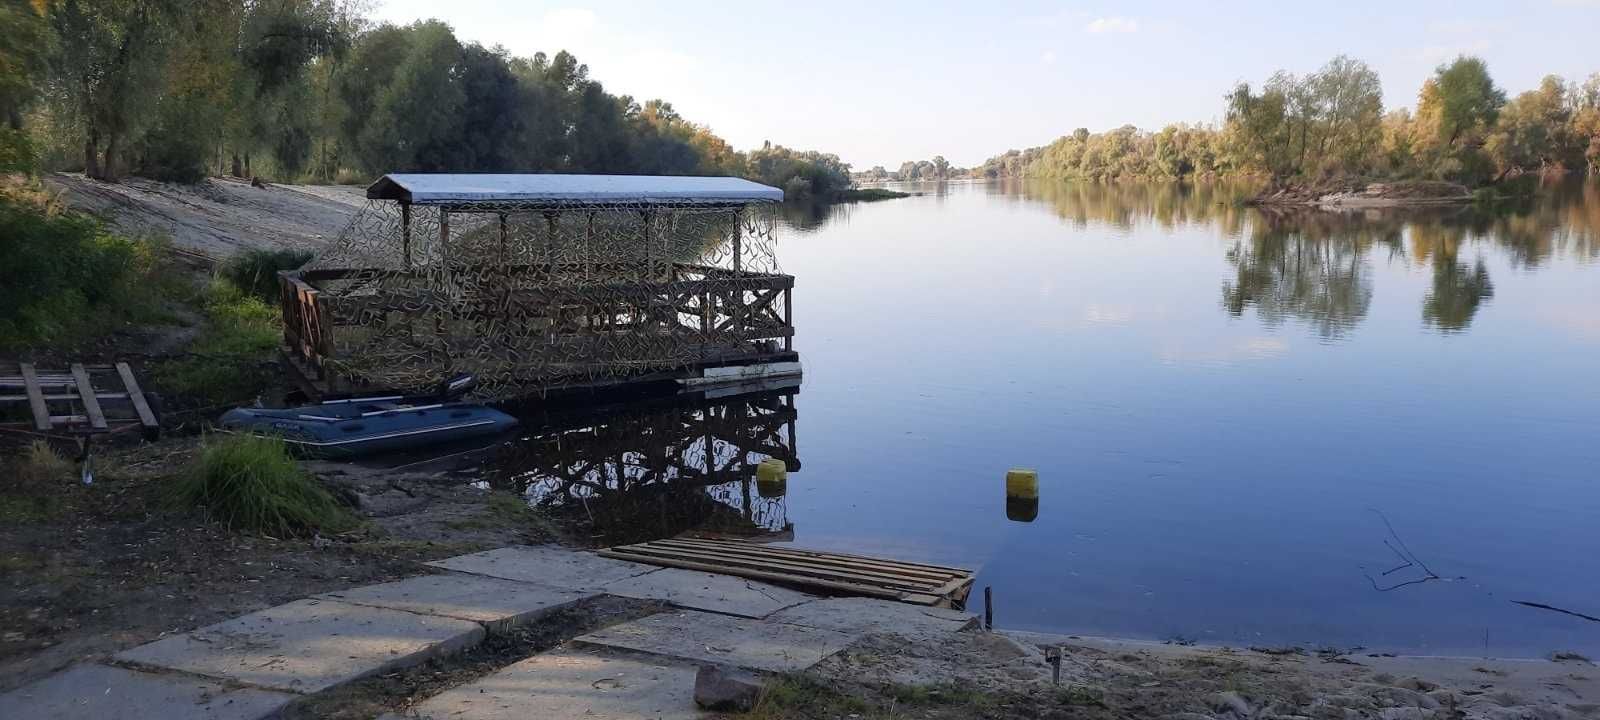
(814, 570)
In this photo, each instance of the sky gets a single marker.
(879, 82)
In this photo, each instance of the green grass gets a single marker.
(256, 271)
(240, 334)
(796, 697)
(253, 483)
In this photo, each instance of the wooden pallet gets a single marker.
(81, 400)
(813, 570)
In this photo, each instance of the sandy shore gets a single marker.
(1130, 678)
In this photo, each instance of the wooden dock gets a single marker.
(812, 570)
(81, 400)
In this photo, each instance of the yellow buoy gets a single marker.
(1022, 483)
(1022, 495)
(771, 470)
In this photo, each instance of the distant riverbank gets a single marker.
(1362, 194)
(869, 194)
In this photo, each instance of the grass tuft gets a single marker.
(253, 483)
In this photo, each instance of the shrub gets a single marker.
(256, 271)
(17, 154)
(63, 274)
(253, 483)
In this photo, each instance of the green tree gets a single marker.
(1460, 100)
(110, 53)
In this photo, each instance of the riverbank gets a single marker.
(1360, 194)
(870, 195)
(541, 631)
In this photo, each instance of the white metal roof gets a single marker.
(449, 188)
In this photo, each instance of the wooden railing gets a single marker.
(556, 322)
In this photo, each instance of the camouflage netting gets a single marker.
(531, 297)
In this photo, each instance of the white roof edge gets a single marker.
(446, 188)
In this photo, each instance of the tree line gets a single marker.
(913, 170)
(1332, 123)
(311, 90)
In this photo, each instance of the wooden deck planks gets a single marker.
(41, 412)
(68, 401)
(146, 417)
(91, 403)
(837, 573)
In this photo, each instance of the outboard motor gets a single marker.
(457, 386)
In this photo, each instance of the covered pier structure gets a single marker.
(537, 283)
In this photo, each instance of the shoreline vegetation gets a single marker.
(1328, 128)
(870, 194)
(316, 92)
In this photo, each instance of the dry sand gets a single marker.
(218, 216)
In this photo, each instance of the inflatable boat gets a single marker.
(357, 426)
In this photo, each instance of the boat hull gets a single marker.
(344, 432)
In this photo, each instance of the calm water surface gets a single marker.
(1224, 408)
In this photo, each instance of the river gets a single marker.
(1373, 430)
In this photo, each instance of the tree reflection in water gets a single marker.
(658, 468)
(1312, 266)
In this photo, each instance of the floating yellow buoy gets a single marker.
(771, 470)
(1022, 483)
(1022, 495)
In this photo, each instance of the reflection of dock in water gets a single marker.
(660, 467)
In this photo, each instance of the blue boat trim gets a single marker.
(370, 425)
(386, 436)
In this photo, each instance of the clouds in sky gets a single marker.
(1112, 24)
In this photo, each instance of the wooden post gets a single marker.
(550, 242)
(646, 215)
(788, 319)
(439, 330)
(738, 241)
(504, 233)
(405, 234)
(588, 247)
(738, 294)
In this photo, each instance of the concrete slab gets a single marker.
(498, 605)
(570, 684)
(309, 645)
(870, 615)
(723, 640)
(708, 591)
(110, 693)
(545, 565)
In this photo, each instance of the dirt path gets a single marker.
(219, 216)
